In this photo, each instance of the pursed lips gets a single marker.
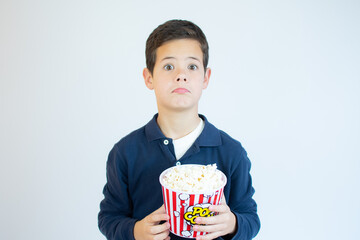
(180, 90)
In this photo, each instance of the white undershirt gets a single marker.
(181, 145)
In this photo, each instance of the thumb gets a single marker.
(223, 200)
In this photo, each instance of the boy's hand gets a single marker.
(219, 225)
(149, 228)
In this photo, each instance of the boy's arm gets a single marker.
(241, 201)
(116, 210)
(114, 218)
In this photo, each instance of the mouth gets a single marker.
(180, 90)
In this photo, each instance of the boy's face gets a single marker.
(178, 77)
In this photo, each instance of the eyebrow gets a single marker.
(167, 58)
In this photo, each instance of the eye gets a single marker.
(168, 67)
(192, 67)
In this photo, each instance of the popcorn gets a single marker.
(193, 178)
(188, 192)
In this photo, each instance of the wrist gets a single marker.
(136, 230)
(233, 229)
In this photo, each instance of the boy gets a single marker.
(176, 59)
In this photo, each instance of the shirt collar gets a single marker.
(152, 130)
(210, 136)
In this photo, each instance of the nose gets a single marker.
(181, 76)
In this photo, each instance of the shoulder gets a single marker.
(216, 137)
(132, 139)
(231, 146)
(234, 159)
(229, 141)
(230, 150)
(125, 149)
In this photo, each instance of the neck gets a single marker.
(177, 125)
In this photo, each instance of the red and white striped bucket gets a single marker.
(184, 207)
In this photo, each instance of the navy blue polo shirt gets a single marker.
(135, 163)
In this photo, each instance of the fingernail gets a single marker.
(197, 220)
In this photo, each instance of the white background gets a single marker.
(285, 82)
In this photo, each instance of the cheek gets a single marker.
(197, 91)
(200, 83)
(162, 88)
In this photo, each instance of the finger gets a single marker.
(161, 236)
(219, 208)
(158, 229)
(209, 228)
(209, 236)
(223, 200)
(156, 218)
(217, 219)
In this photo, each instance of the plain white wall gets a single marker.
(285, 83)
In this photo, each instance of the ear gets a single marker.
(206, 78)
(148, 79)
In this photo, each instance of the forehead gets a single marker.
(180, 48)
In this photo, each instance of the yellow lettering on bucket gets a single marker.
(197, 212)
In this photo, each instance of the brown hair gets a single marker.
(172, 30)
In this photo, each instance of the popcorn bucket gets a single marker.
(184, 207)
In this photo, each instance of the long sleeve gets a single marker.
(114, 218)
(241, 202)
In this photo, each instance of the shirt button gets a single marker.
(178, 163)
(166, 142)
